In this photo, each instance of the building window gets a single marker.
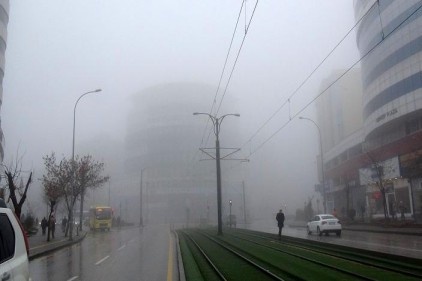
(412, 126)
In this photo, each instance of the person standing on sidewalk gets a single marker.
(43, 225)
(52, 225)
(280, 221)
(64, 224)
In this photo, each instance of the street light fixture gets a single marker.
(322, 162)
(141, 220)
(73, 160)
(230, 216)
(217, 124)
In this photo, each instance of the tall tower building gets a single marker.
(392, 72)
(162, 142)
(4, 19)
(380, 164)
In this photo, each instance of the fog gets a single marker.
(58, 50)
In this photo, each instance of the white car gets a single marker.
(324, 223)
(13, 247)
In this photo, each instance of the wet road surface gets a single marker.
(404, 245)
(125, 254)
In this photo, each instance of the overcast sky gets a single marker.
(57, 50)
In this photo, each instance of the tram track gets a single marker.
(285, 260)
(401, 265)
(265, 271)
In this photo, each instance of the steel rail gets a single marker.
(409, 270)
(308, 248)
(213, 266)
(265, 270)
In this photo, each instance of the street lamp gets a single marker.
(216, 121)
(141, 221)
(73, 160)
(230, 216)
(322, 163)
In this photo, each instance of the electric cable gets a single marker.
(234, 65)
(219, 82)
(308, 77)
(334, 82)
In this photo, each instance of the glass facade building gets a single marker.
(382, 161)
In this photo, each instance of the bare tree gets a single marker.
(68, 179)
(379, 172)
(88, 175)
(17, 193)
(55, 182)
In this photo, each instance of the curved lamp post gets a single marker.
(73, 160)
(141, 219)
(230, 216)
(216, 121)
(322, 162)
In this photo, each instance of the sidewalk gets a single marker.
(38, 245)
(391, 229)
(408, 229)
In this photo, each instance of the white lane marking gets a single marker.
(101, 260)
(122, 247)
(73, 278)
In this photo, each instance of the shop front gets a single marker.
(383, 181)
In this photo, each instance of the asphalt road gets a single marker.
(397, 244)
(121, 254)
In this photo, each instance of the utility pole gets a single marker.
(230, 214)
(244, 203)
(141, 221)
(109, 188)
(217, 123)
(324, 196)
(217, 158)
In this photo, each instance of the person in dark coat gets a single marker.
(280, 221)
(64, 224)
(52, 225)
(43, 225)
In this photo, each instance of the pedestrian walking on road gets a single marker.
(52, 225)
(64, 224)
(335, 212)
(280, 221)
(43, 225)
(402, 209)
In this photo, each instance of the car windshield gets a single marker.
(327, 217)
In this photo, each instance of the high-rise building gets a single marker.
(4, 19)
(163, 140)
(340, 120)
(381, 162)
(390, 40)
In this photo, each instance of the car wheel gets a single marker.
(309, 231)
(338, 233)
(318, 231)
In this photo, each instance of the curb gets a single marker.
(384, 231)
(53, 249)
(182, 276)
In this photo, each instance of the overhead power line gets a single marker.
(222, 72)
(334, 82)
(307, 78)
(237, 57)
(234, 65)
